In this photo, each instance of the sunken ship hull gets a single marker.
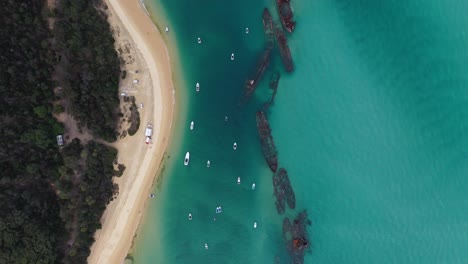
(268, 145)
(285, 52)
(283, 191)
(296, 237)
(262, 65)
(286, 14)
(268, 28)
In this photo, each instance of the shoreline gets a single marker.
(123, 215)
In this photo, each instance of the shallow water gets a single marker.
(372, 128)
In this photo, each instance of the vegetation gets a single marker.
(85, 194)
(86, 48)
(134, 118)
(51, 198)
(30, 226)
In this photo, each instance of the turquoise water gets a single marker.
(372, 127)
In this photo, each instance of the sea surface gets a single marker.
(372, 127)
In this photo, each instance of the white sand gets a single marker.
(155, 91)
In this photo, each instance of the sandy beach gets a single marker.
(150, 65)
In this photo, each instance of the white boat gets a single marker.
(232, 56)
(225, 118)
(208, 163)
(246, 30)
(167, 29)
(197, 87)
(219, 209)
(190, 217)
(191, 125)
(234, 146)
(206, 245)
(255, 224)
(238, 180)
(187, 158)
(253, 186)
(152, 195)
(199, 40)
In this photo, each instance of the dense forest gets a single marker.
(86, 51)
(51, 197)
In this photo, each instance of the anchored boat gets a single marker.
(187, 158)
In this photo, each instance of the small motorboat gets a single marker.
(167, 29)
(253, 186)
(247, 30)
(234, 146)
(191, 125)
(197, 87)
(187, 158)
(238, 180)
(232, 56)
(255, 224)
(199, 40)
(190, 217)
(225, 118)
(152, 195)
(219, 209)
(206, 245)
(208, 163)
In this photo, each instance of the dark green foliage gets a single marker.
(94, 191)
(30, 225)
(58, 109)
(86, 46)
(121, 169)
(27, 131)
(134, 118)
(51, 201)
(31, 230)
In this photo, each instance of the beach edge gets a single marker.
(123, 215)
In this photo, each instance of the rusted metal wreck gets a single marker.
(285, 53)
(286, 14)
(296, 237)
(283, 191)
(266, 140)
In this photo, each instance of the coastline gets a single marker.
(156, 91)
